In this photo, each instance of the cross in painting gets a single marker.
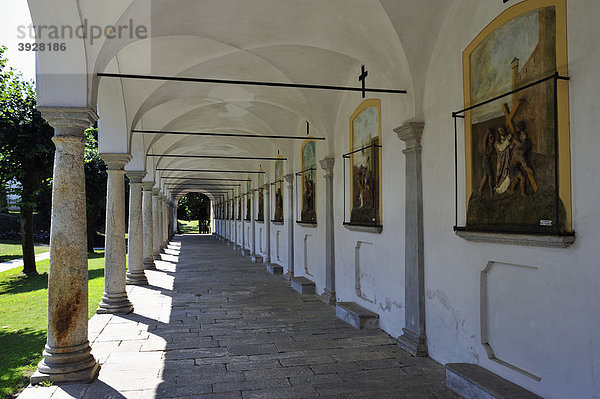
(510, 116)
(363, 78)
(510, 123)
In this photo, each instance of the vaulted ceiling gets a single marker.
(300, 41)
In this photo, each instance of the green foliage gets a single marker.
(26, 148)
(194, 206)
(95, 187)
(23, 323)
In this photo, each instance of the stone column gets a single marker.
(161, 222)
(243, 224)
(328, 295)
(174, 215)
(155, 224)
(256, 258)
(114, 299)
(289, 178)
(414, 339)
(165, 226)
(267, 199)
(135, 242)
(147, 224)
(67, 354)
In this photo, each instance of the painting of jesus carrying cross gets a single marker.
(511, 133)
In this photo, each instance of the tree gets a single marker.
(194, 206)
(95, 188)
(26, 149)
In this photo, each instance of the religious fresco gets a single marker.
(512, 173)
(365, 161)
(278, 191)
(248, 199)
(309, 184)
(260, 217)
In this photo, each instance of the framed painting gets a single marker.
(365, 164)
(260, 217)
(517, 146)
(308, 214)
(278, 189)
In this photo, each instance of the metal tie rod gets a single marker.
(210, 170)
(216, 157)
(240, 135)
(249, 83)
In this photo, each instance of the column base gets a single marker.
(328, 297)
(136, 278)
(156, 257)
(68, 364)
(114, 303)
(149, 264)
(244, 252)
(413, 343)
(256, 259)
(235, 247)
(289, 275)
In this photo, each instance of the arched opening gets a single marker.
(193, 214)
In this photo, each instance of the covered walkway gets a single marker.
(213, 324)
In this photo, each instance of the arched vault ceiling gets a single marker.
(301, 41)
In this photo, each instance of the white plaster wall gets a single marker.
(279, 258)
(382, 255)
(315, 245)
(557, 332)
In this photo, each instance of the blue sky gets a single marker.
(15, 13)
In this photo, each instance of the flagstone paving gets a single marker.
(211, 324)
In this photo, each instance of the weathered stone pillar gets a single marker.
(135, 241)
(155, 224)
(161, 222)
(148, 223)
(114, 299)
(414, 339)
(243, 224)
(174, 218)
(165, 218)
(328, 295)
(267, 199)
(67, 354)
(289, 178)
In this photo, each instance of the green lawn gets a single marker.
(23, 312)
(10, 250)
(188, 226)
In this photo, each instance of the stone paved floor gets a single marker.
(211, 324)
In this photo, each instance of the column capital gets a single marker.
(69, 121)
(135, 176)
(289, 178)
(148, 185)
(266, 187)
(411, 133)
(155, 191)
(115, 161)
(327, 165)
